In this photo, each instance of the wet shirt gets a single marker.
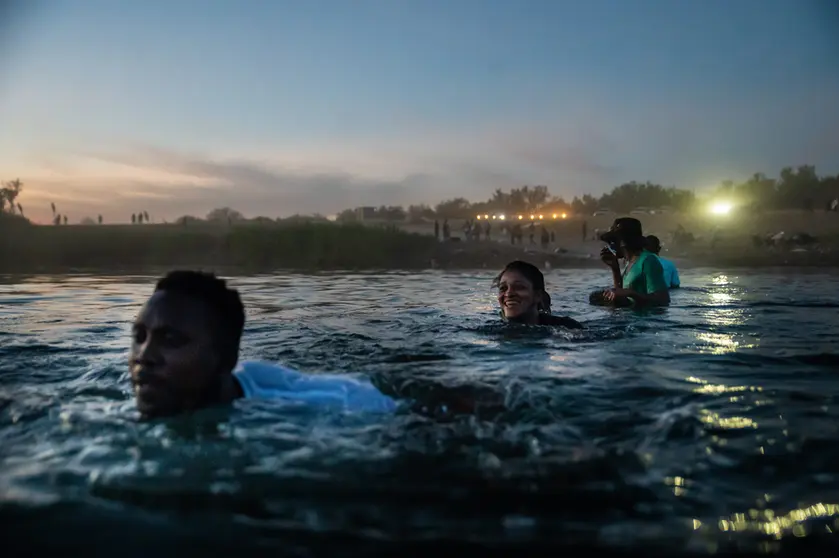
(264, 380)
(563, 321)
(645, 275)
(671, 275)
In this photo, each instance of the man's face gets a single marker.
(174, 360)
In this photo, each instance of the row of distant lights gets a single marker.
(521, 217)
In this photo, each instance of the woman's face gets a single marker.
(516, 296)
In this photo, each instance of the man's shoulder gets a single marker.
(256, 376)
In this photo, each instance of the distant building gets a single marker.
(365, 213)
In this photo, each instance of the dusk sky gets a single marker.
(279, 107)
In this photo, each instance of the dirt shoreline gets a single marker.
(326, 248)
(448, 258)
(496, 255)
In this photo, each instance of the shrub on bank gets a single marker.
(305, 246)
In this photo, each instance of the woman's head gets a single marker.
(625, 235)
(521, 292)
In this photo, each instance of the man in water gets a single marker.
(185, 347)
(642, 283)
(671, 275)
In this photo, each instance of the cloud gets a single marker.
(321, 179)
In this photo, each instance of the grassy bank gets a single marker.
(254, 248)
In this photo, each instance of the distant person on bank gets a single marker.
(642, 282)
(671, 274)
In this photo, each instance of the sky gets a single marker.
(176, 107)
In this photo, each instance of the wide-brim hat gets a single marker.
(624, 228)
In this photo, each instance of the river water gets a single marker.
(711, 427)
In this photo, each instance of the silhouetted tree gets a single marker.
(347, 216)
(457, 208)
(186, 219)
(419, 213)
(65, 219)
(793, 187)
(225, 215)
(99, 219)
(133, 219)
(8, 194)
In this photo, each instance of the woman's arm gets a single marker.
(658, 292)
(658, 298)
(611, 260)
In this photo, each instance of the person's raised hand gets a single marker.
(609, 258)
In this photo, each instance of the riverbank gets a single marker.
(585, 256)
(247, 247)
(254, 248)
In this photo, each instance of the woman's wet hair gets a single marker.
(532, 274)
(224, 302)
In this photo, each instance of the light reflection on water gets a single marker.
(707, 426)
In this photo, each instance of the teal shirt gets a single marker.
(645, 275)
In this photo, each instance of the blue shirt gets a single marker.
(671, 276)
(264, 380)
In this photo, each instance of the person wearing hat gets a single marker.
(671, 275)
(642, 283)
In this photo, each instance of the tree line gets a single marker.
(794, 188)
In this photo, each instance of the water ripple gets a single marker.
(707, 427)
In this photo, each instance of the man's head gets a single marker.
(626, 234)
(185, 343)
(653, 244)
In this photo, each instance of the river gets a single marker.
(708, 427)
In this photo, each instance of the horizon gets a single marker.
(111, 107)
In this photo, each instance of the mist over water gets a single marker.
(710, 426)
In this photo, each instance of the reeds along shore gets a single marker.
(306, 246)
(322, 246)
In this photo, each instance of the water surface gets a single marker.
(708, 427)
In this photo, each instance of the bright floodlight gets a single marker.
(721, 208)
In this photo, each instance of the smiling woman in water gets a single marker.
(522, 297)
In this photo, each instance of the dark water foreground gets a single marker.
(708, 428)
